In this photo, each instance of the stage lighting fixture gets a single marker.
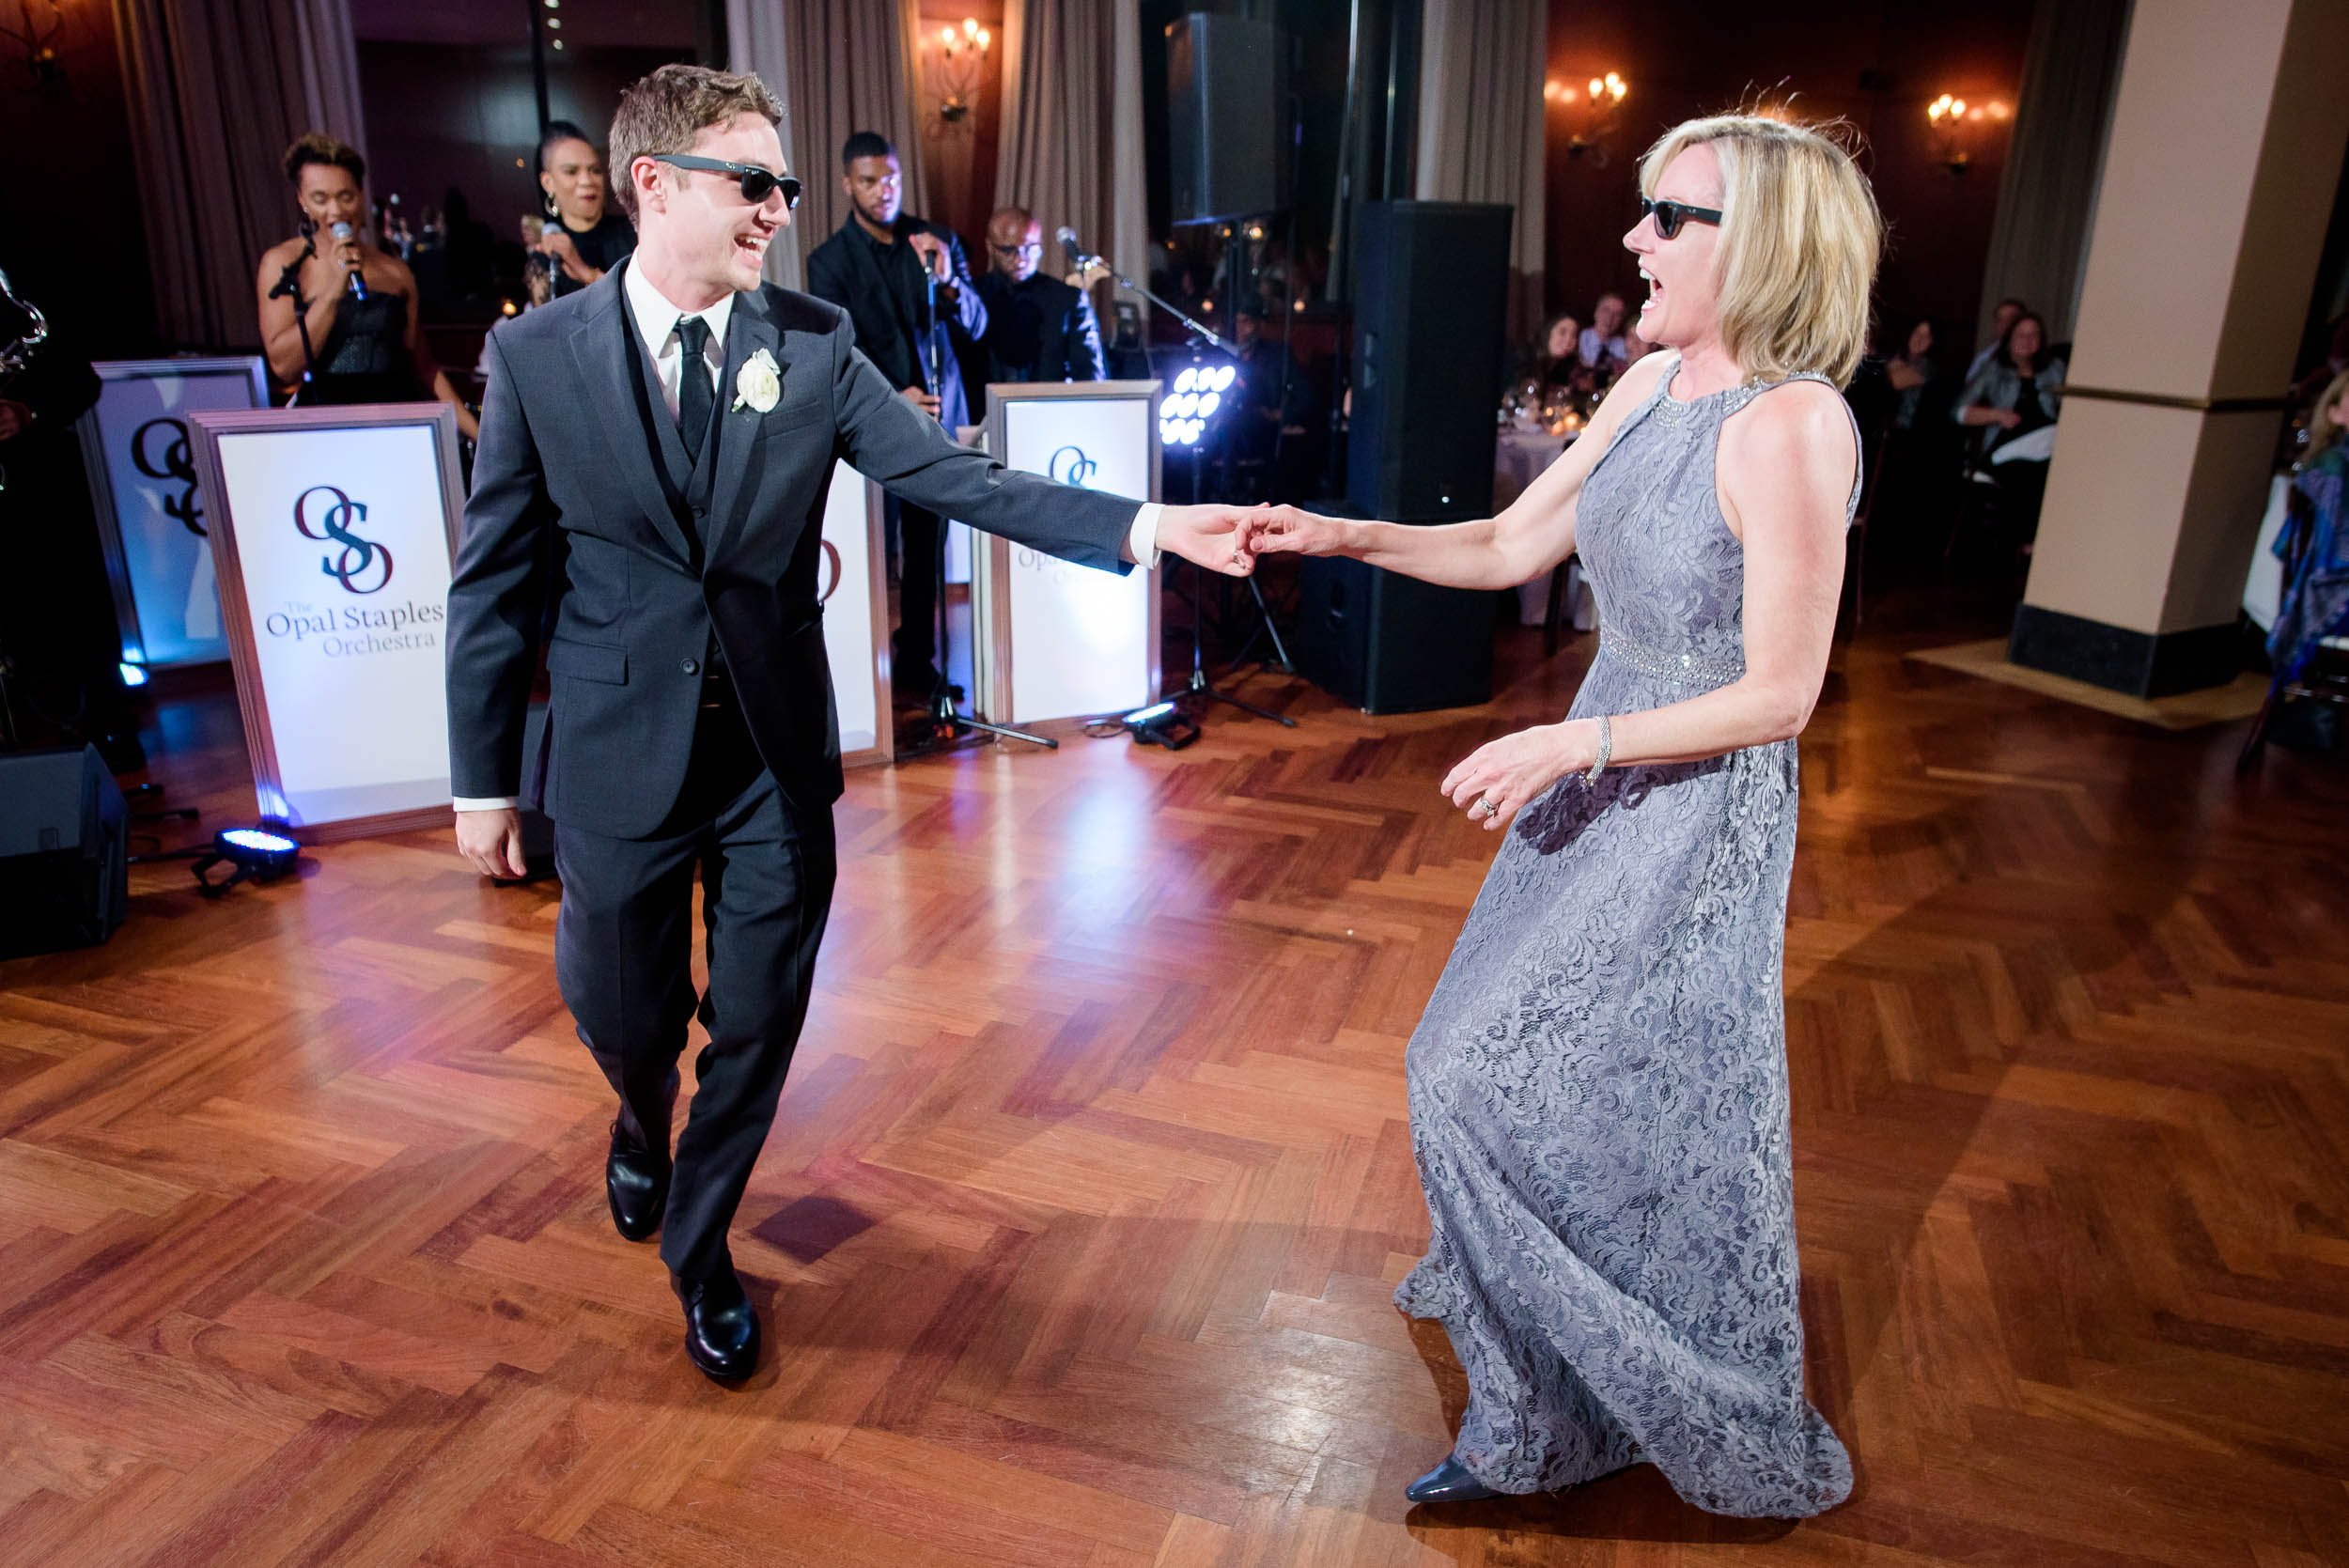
(252, 854)
(1200, 392)
(1160, 724)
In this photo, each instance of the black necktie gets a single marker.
(693, 386)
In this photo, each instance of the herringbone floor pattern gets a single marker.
(1092, 1179)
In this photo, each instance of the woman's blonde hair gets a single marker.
(1801, 235)
(2322, 432)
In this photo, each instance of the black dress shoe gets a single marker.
(721, 1326)
(637, 1182)
(1449, 1482)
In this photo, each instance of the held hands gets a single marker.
(1209, 536)
(1498, 779)
(1285, 530)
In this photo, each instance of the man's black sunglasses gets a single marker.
(1669, 215)
(756, 182)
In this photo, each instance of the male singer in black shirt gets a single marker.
(1039, 329)
(908, 289)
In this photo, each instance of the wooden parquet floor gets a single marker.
(1077, 1230)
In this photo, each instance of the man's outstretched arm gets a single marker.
(911, 458)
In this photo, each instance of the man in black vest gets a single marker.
(1039, 329)
(668, 434)
(906, 285)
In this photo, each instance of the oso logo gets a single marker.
(336, 518)
(172, 437)
(1070, 466)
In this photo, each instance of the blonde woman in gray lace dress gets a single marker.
(1598, 1086)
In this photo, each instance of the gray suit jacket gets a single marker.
(579, 523)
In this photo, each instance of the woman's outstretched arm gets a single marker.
(1532, 536)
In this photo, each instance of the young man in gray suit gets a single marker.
(655, 456)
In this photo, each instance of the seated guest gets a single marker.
(361, 344)
(2001, 321)
(586, 237)
(1556, 359)
(2018, 392)
(1911, 372)
(908, 289)
(2314, 546)
(1273, 401)
(1603, 348)
(1038, 329)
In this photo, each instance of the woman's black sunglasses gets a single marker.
(1669, 215)
(756, 182)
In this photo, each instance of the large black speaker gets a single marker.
(65, 875)
(1431, 300)
(1386, 642)
(1226, 107)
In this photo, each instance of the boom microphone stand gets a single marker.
(290, 283)
(1199, 685)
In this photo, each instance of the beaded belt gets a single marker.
(1671, 666)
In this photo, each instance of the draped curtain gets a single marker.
(2047, 194)
(1480, 125)
(839, 67)
(215, 90)
(1071, 143)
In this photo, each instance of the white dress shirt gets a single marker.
(657, 319)
(656, 324)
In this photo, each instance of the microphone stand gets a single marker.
(289, 282)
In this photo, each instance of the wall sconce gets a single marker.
(1949, 115)
(1597, 109)
(41, 60)
(953, 62)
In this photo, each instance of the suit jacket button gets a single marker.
(693, 667)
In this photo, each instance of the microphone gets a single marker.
(1068, 238)
(351, 280)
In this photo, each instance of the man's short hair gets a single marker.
(1026, 218)
(667, 110)
(319, 148)
(866, 143)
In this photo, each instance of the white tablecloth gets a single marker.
(1519, 459)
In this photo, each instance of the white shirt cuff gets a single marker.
(1142, 542)
(487, 802)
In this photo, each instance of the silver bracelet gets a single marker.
(1605, 750)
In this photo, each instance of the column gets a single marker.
(2226, 141)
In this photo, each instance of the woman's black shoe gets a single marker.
(721, 1326)
(1449, 1482)
(637, 1182)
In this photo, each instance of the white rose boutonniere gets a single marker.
(760, 383)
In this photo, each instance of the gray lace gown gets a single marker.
(1598, 1086)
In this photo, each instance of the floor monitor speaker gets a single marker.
(65, 877)
(1226, 108)
(1431, 301)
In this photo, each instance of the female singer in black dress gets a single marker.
(364, 344)
(581, 234)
